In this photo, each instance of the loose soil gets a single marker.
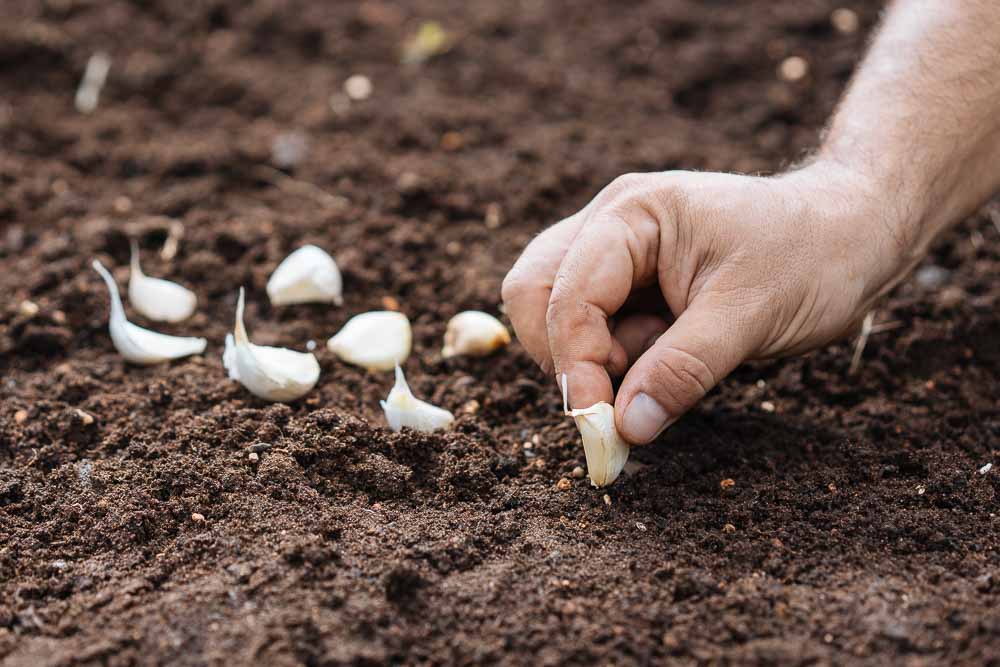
(136, 527)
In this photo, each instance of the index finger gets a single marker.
(608, 257)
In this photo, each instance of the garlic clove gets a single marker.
(138, 345)
(604, 449)
(402, 408)
(474, 333)
(272, 373)
(158, 299)
(307, 275)
(378, 341)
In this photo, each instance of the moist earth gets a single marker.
(800, 514)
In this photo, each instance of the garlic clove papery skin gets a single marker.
(307, 275)
(604, 449)
(158, 299)
(402, 408)
(138, 345)
(379, 340)
(474, 333)
(272, 373)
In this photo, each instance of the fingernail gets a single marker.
(644, 419)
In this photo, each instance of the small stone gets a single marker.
(564, 484)
(85, 417)
(452, 141)
(198, 517)
(358, 87)
(831, 487)
(951, 296)
(921, 490)
(527, 444)
(845, 20)
(729, 528)
(254, 457)
(28, 308)
(494, 216)
(767, 406)
(793, 68)
(578, 473)
(471, 407)
(986, 468)
(288, 149)
(407, 181)
(453, 248)
(641, 526)
(727, 483)
(828, 638)
(59, 317)
(21, 416)
(536, 440)
(310, 345)
(122, 204)
(607, 500)
(59, 187)
(932, 276)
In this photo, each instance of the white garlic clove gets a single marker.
(271, 373)
(379, 340)
(307, 275)
(402, 408)
(474, 333)
(138, 345)
(158, 299)
(604, 449)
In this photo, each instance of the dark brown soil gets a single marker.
(858, 529)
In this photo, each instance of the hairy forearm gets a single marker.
(921, 120)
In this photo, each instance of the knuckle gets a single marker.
(681, 378)
(513, 287)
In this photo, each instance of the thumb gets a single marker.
(700, 348)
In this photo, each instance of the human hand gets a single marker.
(673, 279)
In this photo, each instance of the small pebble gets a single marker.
(358, 87)
(254, 457)
(28, 308)
(122, 204)
(729, 528)
(311, 345)
(607, 500)
(767, 406)
(986, 468)
(793, 68)
(21, 416)
(578, 472)
(86, 418)
(198, 517)
(641, 526)
(59, 317)
(727, 483)
(921, 490)
(452, 141)
(932, 276)
(471, 407)
(494, 216)
(564, 484)
(844, 20)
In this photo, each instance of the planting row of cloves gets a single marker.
(377, 341)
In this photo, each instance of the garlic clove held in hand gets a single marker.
(158, 299)
(402, 408)
(474, 333)
(271, 373)
(138, 345)
(307, 275)
(379, 340)
(604, 449)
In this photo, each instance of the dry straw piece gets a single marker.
(403, 409)
(272, 373)
(158, 299)
(138, 345)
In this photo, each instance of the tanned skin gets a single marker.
(673, 279)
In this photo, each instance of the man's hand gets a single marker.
(749, 267)
(764, 267)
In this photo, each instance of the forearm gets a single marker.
(921, 120)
